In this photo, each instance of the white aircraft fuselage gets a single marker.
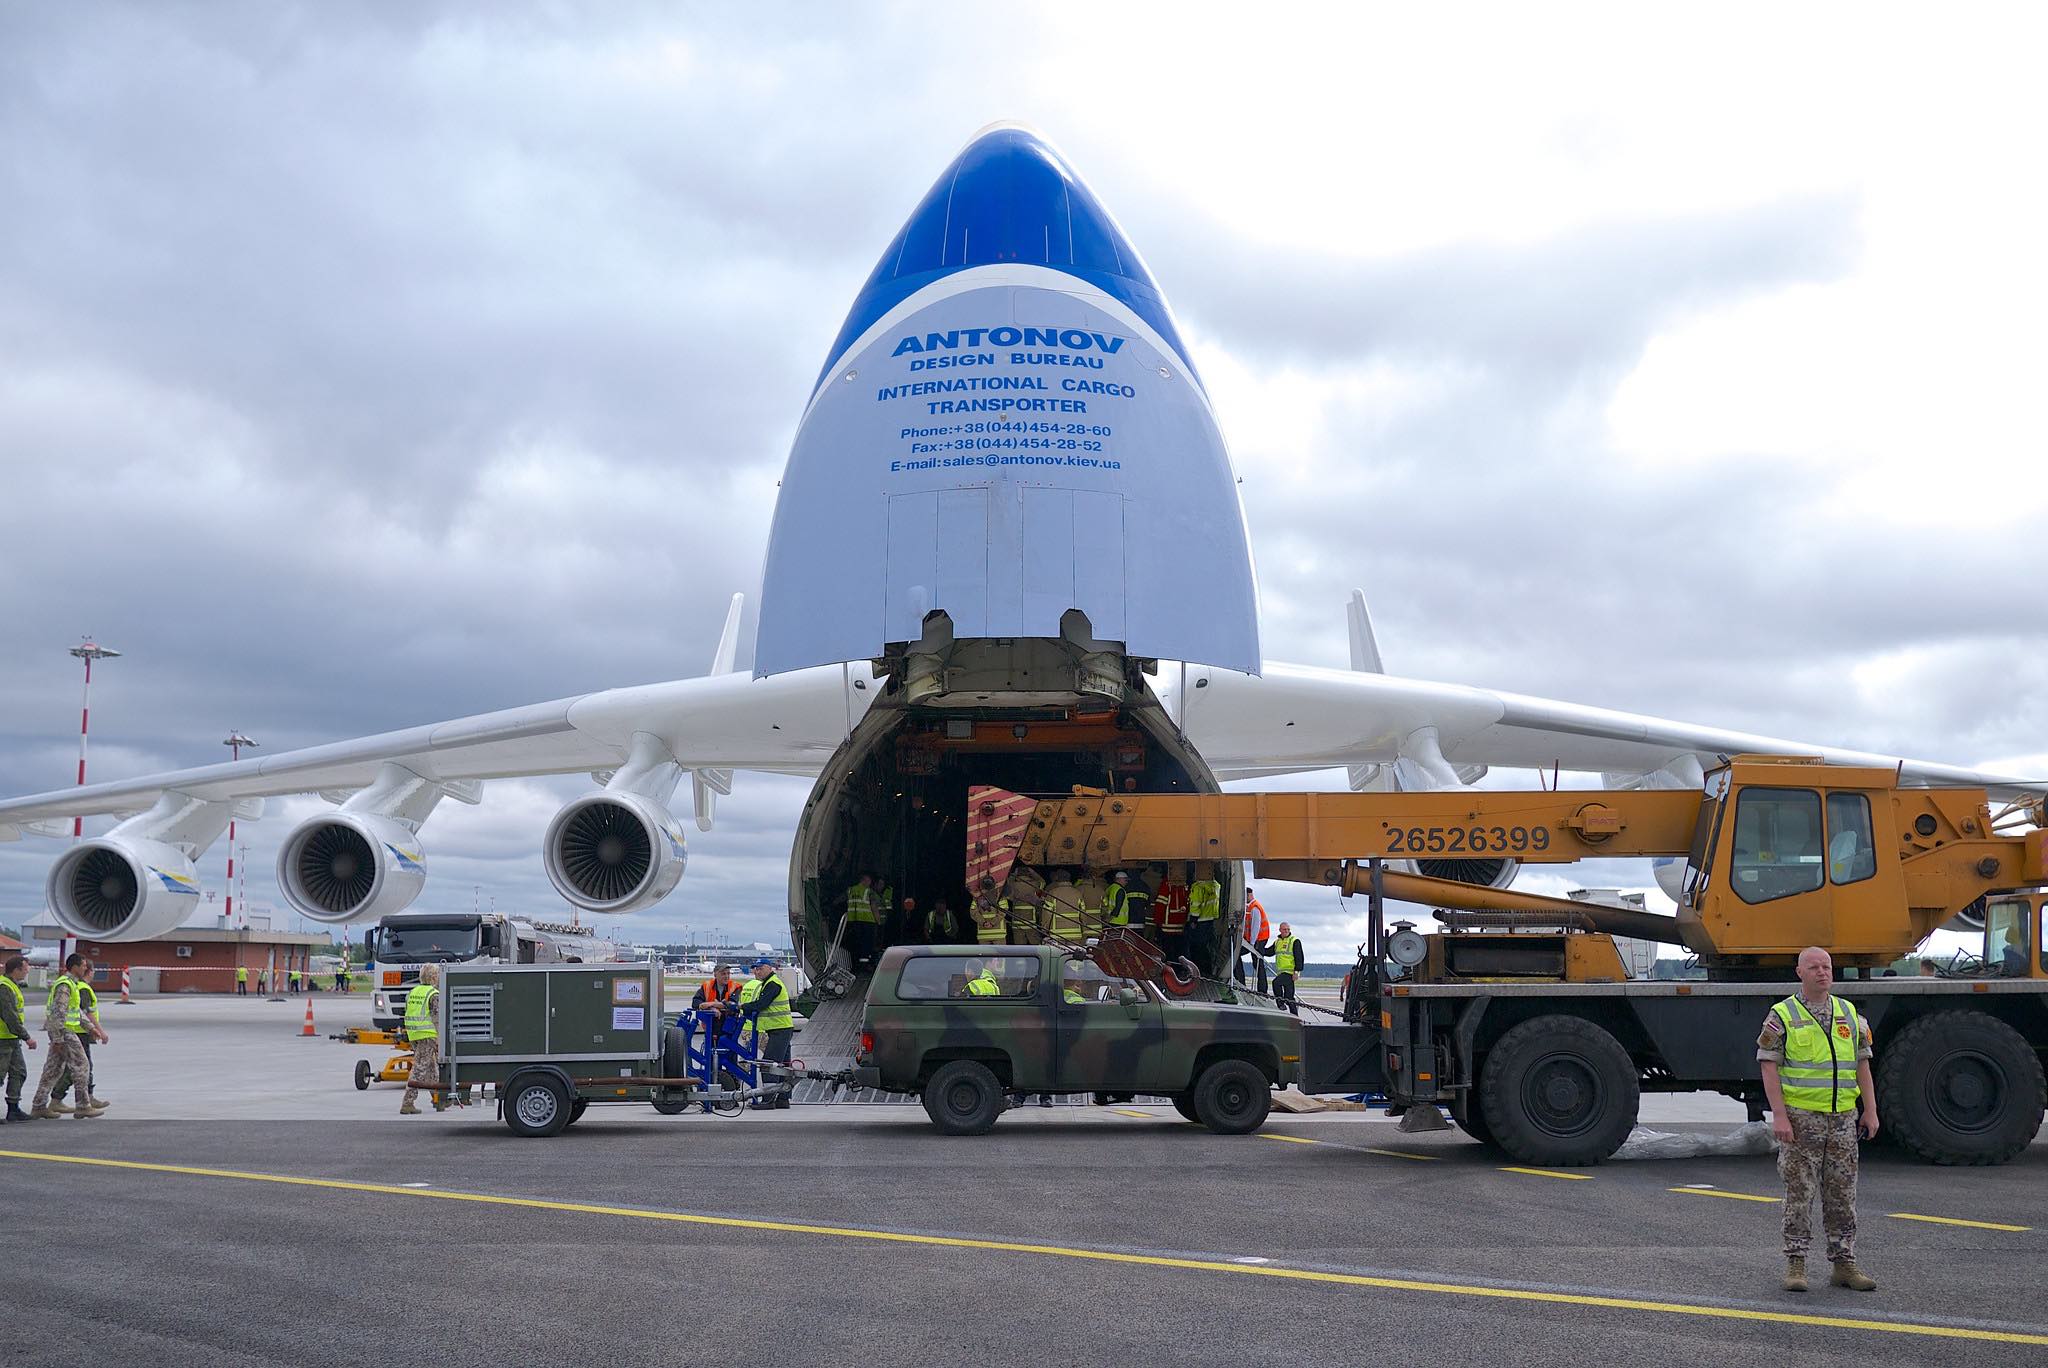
(1008, 527)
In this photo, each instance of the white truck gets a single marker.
(399, 944)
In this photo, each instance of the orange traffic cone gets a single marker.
(308, 1030)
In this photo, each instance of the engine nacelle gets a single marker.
(1478, 870)
(350, 866)
(112, 889)
(614, 852)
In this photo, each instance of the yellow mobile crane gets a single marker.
(1521, 1015)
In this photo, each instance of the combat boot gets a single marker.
(408, 1110)
(61, 1108)
(15, 1113)
(86, 1114)
(96, 1107)
(1848, 1275)
(1795, 1275)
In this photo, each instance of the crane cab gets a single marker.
(1789, 852)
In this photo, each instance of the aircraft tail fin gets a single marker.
(729, 639)
(707, 784)
(1365, 658)
(1365, 648)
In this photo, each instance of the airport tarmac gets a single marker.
(258, 1230)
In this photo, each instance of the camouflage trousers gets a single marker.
(1820, 1162)
(66, 1055)
(14, 1061)
(426, 1068)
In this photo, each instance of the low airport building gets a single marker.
(194, 958)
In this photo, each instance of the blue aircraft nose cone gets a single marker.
(1008, 198)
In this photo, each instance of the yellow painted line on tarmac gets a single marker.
(1547, 1173)
(1142, 1116)
(1716, 1192)
(1955, 1221)
(1290, 1139)
(1402, 1154)
(1481, 1291)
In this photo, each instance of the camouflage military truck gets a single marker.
(967, 1027)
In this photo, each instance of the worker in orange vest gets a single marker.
(1253, 941)
(718, 991)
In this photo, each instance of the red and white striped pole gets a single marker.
(88, 651)
(124, 987)
(235, 742)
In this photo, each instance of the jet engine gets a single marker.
(112, 889)
(614, 851)
(1481, 871)
(350, 866)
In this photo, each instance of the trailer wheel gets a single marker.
(1960, 1087)
(1558, 1090)
(537, 1105)
(964, 1098)
(675, 1053)
(669, 1105)
(1232, 1097)
(363, 1075)
(1185, 1105)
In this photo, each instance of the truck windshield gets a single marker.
(421, 944)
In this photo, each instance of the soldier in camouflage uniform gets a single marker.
(61, 1015)
(1814, 1052)
(423, 1034)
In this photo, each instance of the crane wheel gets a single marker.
(1558, 1090)
(1960, 1087)
(1471, 1118)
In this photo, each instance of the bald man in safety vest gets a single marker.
(1814, 1053)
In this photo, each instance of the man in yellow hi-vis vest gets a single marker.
(1814, 1052)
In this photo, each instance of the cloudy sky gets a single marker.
(362, 368)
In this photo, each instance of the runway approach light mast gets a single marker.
(234, 743)
(88, 651)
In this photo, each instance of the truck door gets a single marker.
(1107, 1042)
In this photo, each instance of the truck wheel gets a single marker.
(537, 1105)
(576, 1110)
(363, 1075)
(1558, 1090)
(1185, 1105)
(1960, 1087)
(1232, 1097)
(964, 1098)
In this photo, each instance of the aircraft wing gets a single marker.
(787, 724)
(1293, 717)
